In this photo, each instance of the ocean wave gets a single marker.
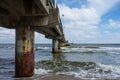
(42, 48)
(82, 70)
(84, 75)
(78, 50)
(59, 66)
(42, 71)
(110, 48)
(94, 47)
(6, 47)
(112, 68)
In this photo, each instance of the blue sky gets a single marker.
(84, 21)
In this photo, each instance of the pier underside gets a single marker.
(26, 17)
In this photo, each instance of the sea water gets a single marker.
(84, 61)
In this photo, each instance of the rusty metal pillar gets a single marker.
(24, 57)
(55, 46)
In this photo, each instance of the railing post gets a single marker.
(24, 56)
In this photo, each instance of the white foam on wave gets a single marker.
(42, 71)
(113, 68)
(67, 49)
(89, 74)
(110, 48)
(9, 47)
(107, 72)
(82, 75)
(44, 48)
(77, 49)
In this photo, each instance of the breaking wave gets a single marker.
(82, 70)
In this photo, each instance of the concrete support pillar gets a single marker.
(55, 46)
(60, 45)
(24, 57)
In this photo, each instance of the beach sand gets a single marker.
(57, 77)
(61, 77)
(64, 77)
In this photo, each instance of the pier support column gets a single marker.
(55, 46)
(60, 45)
(24, 57)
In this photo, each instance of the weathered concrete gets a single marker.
(24, 56)
(60, 44)
(40, 14)
(55, 46)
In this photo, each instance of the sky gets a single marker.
(84, 21)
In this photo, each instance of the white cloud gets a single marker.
(113, 24)
(112, 38)
(102, 6)
(8, 36)
(82, 23)
(6, 31)
(86, 15)
(39, 38)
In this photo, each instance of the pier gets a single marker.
(27, 17)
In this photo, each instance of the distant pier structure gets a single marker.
(26, 17)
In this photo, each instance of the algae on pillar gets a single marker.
(24, 55)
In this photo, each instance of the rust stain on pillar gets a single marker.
(24, 57)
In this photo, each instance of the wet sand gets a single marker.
(61, 77)
(64, 77)
(57, 77)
